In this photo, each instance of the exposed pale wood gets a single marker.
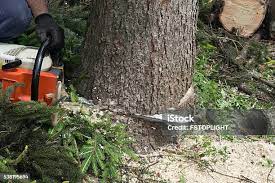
(243, 16)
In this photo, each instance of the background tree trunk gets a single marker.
(139, 54)
(272, 19)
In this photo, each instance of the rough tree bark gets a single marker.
(272, 19)
(139, 54)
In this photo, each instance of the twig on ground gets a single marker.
(244, 89)
(269, 173)
(151, 155)
(19, 158)
(263, 81)
(142, 171)
(233, 40)
(209, 167)
(212, 177)
(254, 76)
(238, 61)
(242, 178)
(241, 57)
(148, 166)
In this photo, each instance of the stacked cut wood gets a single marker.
(243, 17)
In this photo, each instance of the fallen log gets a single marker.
(243, 17)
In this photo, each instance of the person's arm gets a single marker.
(38, 7)
(46, 27)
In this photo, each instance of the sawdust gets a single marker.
(247, 161)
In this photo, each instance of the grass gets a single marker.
(215, 93)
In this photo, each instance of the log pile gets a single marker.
(243, 17)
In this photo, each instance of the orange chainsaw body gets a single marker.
(47, 85)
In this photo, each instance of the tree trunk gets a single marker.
(139, 54)
(272, 20)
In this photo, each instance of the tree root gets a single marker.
(271, 85)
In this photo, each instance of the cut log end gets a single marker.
(243, 17)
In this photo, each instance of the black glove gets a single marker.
(46, 27)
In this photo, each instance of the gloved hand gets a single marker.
(46, 27)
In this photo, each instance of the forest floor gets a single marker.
(208, 160)
(223, 79)
(199, 158)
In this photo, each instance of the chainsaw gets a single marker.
(34, 74)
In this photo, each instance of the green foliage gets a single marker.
(25, 145)
(230, 138)
(209, 10)
(29, 38)
(205, 4)
(73, 19)
(182, 179)
(205, 7)
(4, 167)
(53, 163)
(207, 90)
(231, 98)
(76, 146)
(257, 52)
(213, 93)
(73, 94)
(99, 144)
(203, 152)
(217, 75)
(267, 162)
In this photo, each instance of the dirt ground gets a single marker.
(201, 159)
(209, 160)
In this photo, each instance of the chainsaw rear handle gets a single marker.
(37, 68)
(12, 64)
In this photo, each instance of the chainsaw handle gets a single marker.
(12, 64)
(37, 68)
